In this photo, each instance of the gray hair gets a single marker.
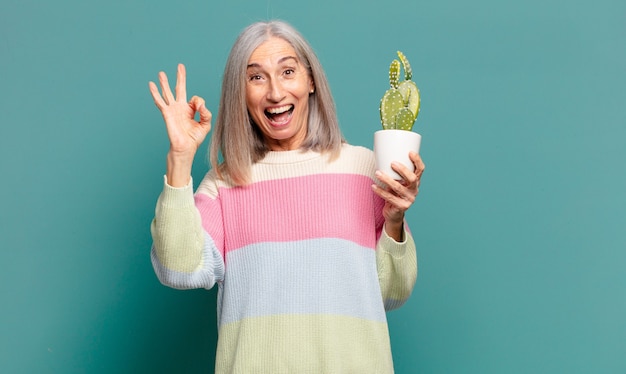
(235, 137)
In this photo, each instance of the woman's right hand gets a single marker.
(184, 132)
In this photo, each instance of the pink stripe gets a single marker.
(210, 213)
(319, 206)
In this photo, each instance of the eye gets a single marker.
(289, 72)
(254, 77)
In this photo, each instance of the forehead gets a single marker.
(271, 51)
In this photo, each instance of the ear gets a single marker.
(311, 86)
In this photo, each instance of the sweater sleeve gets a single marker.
(183, 255)
(397, 268)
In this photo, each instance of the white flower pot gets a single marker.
(395, 145)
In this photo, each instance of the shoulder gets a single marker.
(357, 160)
(211, 184)
(356, 151)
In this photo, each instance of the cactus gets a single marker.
(400, 105)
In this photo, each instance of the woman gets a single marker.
(308, 251)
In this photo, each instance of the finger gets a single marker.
(156, 96)
(419, 164)
(409, 176)
(165, 88)
(384, 177)
(396, 201)
(205, 116)
(198, 104)
(181, 84)
(399, 190)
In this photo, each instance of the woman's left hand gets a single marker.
(399, 195)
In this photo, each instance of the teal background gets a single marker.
(520, 222)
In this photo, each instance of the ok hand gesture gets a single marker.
(184, 132)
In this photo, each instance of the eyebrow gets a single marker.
(283, 59)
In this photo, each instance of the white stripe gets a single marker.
(294, 164)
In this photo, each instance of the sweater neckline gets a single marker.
(289, 157)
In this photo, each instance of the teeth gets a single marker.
(280, 109)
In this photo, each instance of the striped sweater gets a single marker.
(303, 266)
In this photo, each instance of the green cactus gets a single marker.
(408, 72)
(400, 105)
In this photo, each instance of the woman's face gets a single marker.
(277, 94)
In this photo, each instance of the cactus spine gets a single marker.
(400, 105)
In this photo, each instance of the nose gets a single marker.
(275, 91)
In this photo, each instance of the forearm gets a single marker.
(179, 169)
(397, 268)
(183, 255)
(177, 230)
(395, 229)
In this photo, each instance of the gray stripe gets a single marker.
(211, 272)
(320, 276)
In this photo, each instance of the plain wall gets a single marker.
(520, 222)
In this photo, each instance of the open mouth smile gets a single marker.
(279, 115)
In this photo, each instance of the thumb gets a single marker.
(198, 105)
(205, 115)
